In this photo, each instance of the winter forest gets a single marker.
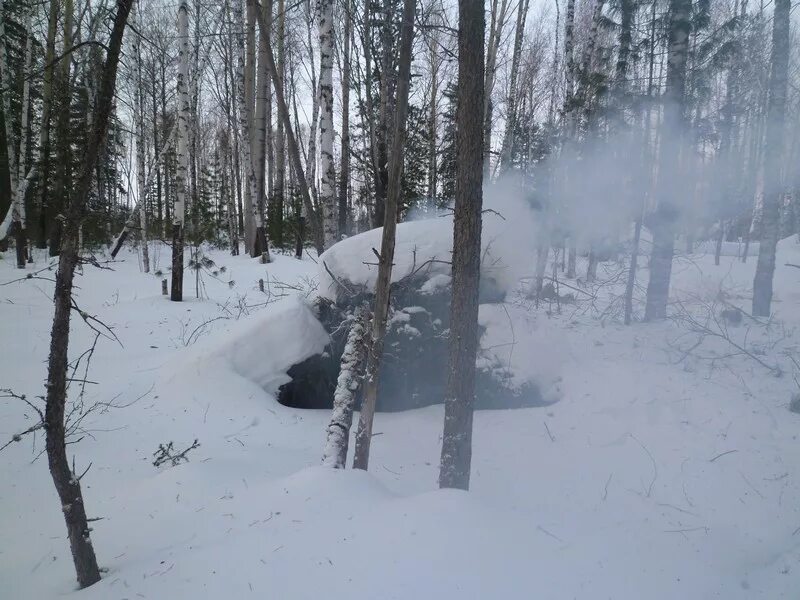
(378, 299)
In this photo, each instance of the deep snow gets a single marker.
(619, 490)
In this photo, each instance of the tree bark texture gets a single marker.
(459, 399)
(67, 483)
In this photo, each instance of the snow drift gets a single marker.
(260, 348)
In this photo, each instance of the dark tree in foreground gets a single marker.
(773, 151)
(460, 392)
(66, 481)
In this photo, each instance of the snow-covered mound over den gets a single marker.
(509, 238)
(259, 348)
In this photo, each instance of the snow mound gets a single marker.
(508, 247)
(260, 348)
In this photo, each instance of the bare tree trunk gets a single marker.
(773, 153)
(347, 386)
(344, 167)
(498, 21)
(511, 120)
(664, 219)
(258, 151)
(294, 149)
(67, 482)
(569, 60)
(44, 136)
(23, 177)
(371, 126)
(16, 168)
(280, 138)
(433, 112)
(327, 188)
(311, 158)
(140, 143)
(247, 69)
(383, 285)
(182, 170)
(460, 393)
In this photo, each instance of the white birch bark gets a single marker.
(140, 143)
(258, 149)
(327, 187)
(351, 373)
(182, 169)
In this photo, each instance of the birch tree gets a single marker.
(182, 171)
(344, 154)
(140, 142)
(327, 187)
(258, 152)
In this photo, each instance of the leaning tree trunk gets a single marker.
(67, 482)
(773, 154)
(664, 219)
(386, 258)
(460, 392)
(351, 373)
(182, 170)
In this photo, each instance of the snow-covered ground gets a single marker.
(665, 470)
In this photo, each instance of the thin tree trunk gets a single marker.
(140, 143)
(327, 187)
(44, 136)
(157, 164)
(385, 262)
(63, 129)
(511, 119)
(294, 149)
(664, 220)
(773, 154)
(67, 482)
(460, 392)
(344, 167)
(280, 137)
(247, 103)
(433, 111)
(258, 151)
(498, 20)
(182, 170)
